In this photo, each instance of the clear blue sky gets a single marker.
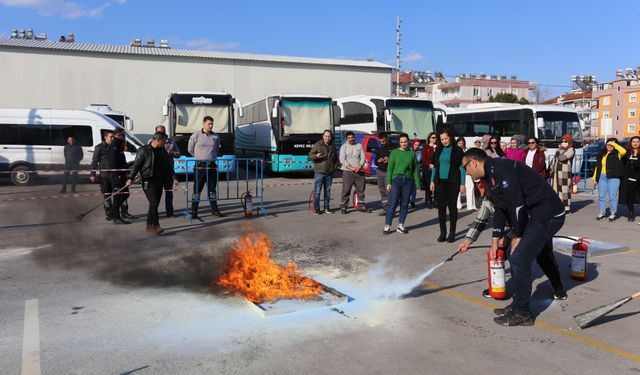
(545, 41)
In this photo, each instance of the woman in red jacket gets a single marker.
(535, 157)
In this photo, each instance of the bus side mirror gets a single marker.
(165, 110)
(240, 111)
(540, 123)
(128, 124)
(274, 110)
(388, 115)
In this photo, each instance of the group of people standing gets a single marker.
(617, 174)
(154, 166)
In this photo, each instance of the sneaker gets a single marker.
(343, 211)
(158, 231)
(560, 294)
(515, 319)
(601, 216)
(386, 230)
(612, 218)
(507, 310)
(119, 220)
(363, 209)
(412, 204)
(402, 230)
(328, 211)
(486, 294)
(316, 213)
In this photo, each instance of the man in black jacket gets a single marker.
(155, 168)
(118, 163)
(100, 161)
(72, 156)
(382, 161)
(529, 203)
(324, 156)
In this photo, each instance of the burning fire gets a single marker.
(250, 272)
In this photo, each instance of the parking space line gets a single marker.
(31, 339)
(633, 357)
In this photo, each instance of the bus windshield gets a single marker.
(557, 124)
(189, 117)
(305, 117)
(414, 120)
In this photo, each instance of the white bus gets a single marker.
(548, 123)
(364, 114)
(33, 140)
(185, 111)
(282, 128)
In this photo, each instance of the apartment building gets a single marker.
(617, 103)
(478, 89)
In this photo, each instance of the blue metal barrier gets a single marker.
(235, 184)
(185, 164)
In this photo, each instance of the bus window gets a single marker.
(557, 124)
(356, 113)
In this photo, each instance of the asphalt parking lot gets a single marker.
(91, 297)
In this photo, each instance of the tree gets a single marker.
(540, 94)
(505, 97)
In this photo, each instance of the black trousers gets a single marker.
(446, 196)
(74, 176)
(631, 191)
(153, 190)
(106, 189)
(200, 179)
(117, 180)
(426, 180)
(168, 197)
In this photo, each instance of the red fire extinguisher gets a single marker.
(579, 255)
(356, 203)
(497, 283)
(247, 203)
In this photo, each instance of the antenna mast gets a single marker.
(398, 49)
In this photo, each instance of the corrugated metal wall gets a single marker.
(139, 85)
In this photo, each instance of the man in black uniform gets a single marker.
(529, 203)
(100, 161)
(155, 167)
(117, 160)
(72, 157)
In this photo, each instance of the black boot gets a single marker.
(452, 234)
(214, 209)
(124, 212)
(632, 215)
(194, 210)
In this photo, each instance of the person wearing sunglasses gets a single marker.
(562, 171)
(428, 150)
(535, 157)
(606, 177)
(493, 149)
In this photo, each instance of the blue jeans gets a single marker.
(401, 189)
(608, 189)
(538, 236)
(320, 180)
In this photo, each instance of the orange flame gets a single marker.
(250, 272)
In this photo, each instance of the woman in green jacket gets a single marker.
(402, 177)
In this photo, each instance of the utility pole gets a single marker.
(398, 49)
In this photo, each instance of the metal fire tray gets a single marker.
(596, 247)
(329, 297)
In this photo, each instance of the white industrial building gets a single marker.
(137, 80)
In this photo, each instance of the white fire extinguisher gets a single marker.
(247, 203)
(497, 282)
